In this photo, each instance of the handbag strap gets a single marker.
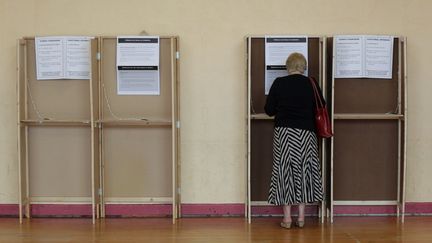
(316, 94)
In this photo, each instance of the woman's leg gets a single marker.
(287, 213)
(301, 209)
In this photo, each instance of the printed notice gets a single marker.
(277, 50)
(363, 56)
(77, 58)
(349, 56)
(62, 57)
(49, 58)
(378, 56)
(138, 65)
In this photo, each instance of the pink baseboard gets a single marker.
(277, 210)
(228, 209)
(61, 210)
(418, 208)
(138, 210)
(363, 210)
(56, 210)
(9, 209)
(206, 210)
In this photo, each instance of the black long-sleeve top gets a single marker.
(291, 99)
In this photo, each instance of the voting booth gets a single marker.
(367, 165)
(96, 132)
(139, 136)
(56, 129)
(266, 57)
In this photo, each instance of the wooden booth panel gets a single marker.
(136, 106)
(21, 85)
(138, 162)
(95, 76)
(22, 164)
(258, 69)
(21, 115)
(96, 165)
(60, 162)
(64, 99)
(367, 169)
(403, 162)
(402, 75)
(368, 95)
(261, 158)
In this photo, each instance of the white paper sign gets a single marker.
(277, 50)
(77, 58)
(359, 56)
(349, 56)
(63, 57)
(138, 65)
(49, 58)
(378, 56)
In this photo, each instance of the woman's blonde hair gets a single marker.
(296, 62)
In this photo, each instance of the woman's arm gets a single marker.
(271, 101)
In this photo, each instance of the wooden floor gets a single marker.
(344, 229)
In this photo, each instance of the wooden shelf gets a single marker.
(362, 116)
(55, 122)
(261, 116)
(163, 123)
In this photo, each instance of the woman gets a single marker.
(296, 174)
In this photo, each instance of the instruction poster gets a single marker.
(363, 56)
(63, 57)
(277, 50)
(138, 65)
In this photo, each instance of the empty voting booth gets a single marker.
(85, 148)
(368, 151)
(58, 162)
(139, 140)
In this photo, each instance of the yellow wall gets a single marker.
(213, 71)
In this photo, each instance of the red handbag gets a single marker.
(322, 120)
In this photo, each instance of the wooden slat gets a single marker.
(178, 129)
(355, 116)
(260, 116)
(56, 122)
(19, 107)
(101, 131)
(92, 136)
(173, 131)
(248, 136)
(143, 123)
(405, 110)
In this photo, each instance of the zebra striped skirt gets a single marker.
(296, 174)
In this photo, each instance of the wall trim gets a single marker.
(205, 210)
(7, 210)
(359, 210)
(269, 210)
(212, 209)
(416, 208)
(138, 210)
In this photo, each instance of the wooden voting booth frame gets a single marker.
(71, 150)
(260, 126)
(368, 150)
(58, 162)
(140, 134)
